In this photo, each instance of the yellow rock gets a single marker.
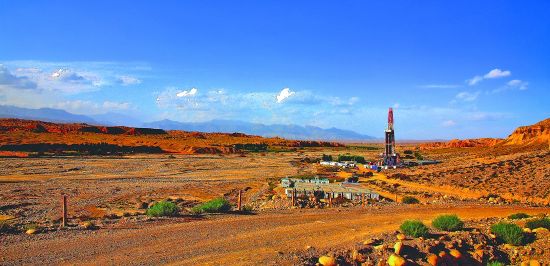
(87, 225)
(401, 237)
(380, 247)
(530, 263)
(327, 261)
(527, 230)
(397, 247)
(493, 236)
(432, 259)
(479, 253)
(31, 231)
(478, 246)
(396, 260)
(369, 241)
(508, 246)
(540, 230)
(455, 253)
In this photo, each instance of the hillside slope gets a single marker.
(37, 136)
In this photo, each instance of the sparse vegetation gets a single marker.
(519, 215)
(326, 158)
(495, 263)
(540, 222)
(214, 206)
(355, 158)
(414, 228)
(418, 156)
(448, 222)
(163, 208)
(508, 233)
(410, 200)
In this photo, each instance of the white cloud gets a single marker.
(467, 96)
(497, 73)
(89, 107)
(448, 123)
(475, 80)
(128, 80)
(396, 105)
(284, 94)
(189, 93)
(516, 83)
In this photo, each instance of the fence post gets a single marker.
(363, 199)
(330, 200)
(64, 221)
(239, 201)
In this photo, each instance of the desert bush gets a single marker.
(509, 233)
(410, 200)
(163, 208)
(248, 208)
(495, 263)
(414, 228)
(540, 222)
(519, 215)
(448, 222)
(213, 206)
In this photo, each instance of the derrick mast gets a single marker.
(390, 158)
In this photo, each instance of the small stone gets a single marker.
(380, 247)
(327, 261)
(401, 237)
(87, 225)
(396, 260)
(455, 253)
(369, 241)
(527, 230)
(358, 257)
(432, 259)
(31, 231)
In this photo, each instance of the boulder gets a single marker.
(401, 237)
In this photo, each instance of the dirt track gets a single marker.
(228, 239)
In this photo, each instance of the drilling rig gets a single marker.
(390, 159)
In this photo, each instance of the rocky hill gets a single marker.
(538, 133)
(17, 135)
(533, 135)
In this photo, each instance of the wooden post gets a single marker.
(363, 199)
(293, 197)
(239, 201)
(330, 200)
(64, 221)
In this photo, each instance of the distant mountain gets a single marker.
(43, 114)
(225, 126)
(284, 131)
(116, 119)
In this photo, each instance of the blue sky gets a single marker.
(450, 70)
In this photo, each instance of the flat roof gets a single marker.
(334, 187)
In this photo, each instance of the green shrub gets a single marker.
(540, 222)
(414, 228)
(448, 222)
(519, 215)
(509, 233)
(213, 206)
(495, 263)
(163, 208)
(410, 200)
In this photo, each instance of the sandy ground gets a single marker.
(230, 239)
